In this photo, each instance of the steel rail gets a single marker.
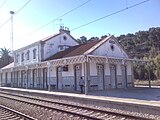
(18, 114)
(80, 107)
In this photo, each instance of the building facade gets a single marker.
(58, 62)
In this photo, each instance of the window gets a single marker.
(28, 54)
(65, 68)
(61, 47)
(17, 58)
(34, 54)
(22, 57)
(112, 47)
(64, 38)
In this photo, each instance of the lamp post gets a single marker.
(11, 37)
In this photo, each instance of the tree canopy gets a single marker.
(5, 57)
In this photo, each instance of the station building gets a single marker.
(57, 63)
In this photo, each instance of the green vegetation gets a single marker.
(144, 45)
(5, 57)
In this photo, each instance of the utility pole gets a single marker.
(11, 37)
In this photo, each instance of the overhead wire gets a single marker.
(119, 11)
(15, 13)
(3, 4)
(59, 17)
(22, 7)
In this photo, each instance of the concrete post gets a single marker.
(0, 79)
(49, 86)
(85, 78)
(26, 77)
(86, 75)
(11, 77)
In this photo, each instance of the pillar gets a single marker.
(86, 72)
(26, 77)
(1, 78)
(49, 86)
(11, 78)
(31, 78)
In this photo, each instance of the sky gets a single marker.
(38, 13)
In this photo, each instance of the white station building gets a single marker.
(57, 63)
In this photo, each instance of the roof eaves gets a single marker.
(30, 45)
(50, 37)
(72, 38)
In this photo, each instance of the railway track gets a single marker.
(10, 114)
(81, 111)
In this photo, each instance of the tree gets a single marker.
(93, 38)
(103, 36)
(5, 57)
(82, 40)
(157, 65)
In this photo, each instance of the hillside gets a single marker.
(142, 43)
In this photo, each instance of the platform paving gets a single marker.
(137, 95)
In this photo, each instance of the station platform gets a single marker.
(137, 95)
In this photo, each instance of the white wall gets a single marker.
(105, 50)
(52, 46)
(9, 77)
(93, 69)
(107, 69)
(70, 71)
(119, 70)
(31, 60)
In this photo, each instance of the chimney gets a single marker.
(64, 30)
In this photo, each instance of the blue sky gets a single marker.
(40, 12)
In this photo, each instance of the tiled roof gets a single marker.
(74, 51)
